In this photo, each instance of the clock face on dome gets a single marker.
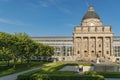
(91, 24)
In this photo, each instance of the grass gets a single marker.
(53, 72)
(55, 67)
(105, 74)
(6, 70)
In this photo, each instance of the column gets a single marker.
(82, 55)
(111, 46)
(103, 47)
(74, 45)
(96, 51)
(72, 51)
(60, 51)
(89, 52)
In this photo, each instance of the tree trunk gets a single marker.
(21, 60)
(14, 65)
(8, 62)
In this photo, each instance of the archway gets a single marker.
(85, 53)
(99, 53)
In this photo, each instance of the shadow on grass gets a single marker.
(6, 70)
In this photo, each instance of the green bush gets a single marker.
(23, 77)
(86, 64)
(53, 73)
(59, 77)
(105, 74)
(110, 74)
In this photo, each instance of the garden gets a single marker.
(53, 73)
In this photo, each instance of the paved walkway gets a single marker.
(14, 76)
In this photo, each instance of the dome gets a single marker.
(91, 14)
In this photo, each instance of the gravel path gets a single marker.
(14, 76)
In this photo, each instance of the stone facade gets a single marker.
(92, 40)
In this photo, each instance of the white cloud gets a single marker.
(47, 3)
(43, 4)
(5, 0)
(71, 25)
(12, 22)
(63, 9)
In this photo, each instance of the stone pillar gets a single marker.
(111, 46)
(74, 46)
(72, 51)
(103, 46)
(89, 52)
(66, 50)
(61, 51)
(96, 51)
(82, 47)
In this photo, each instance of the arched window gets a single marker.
(85, 51)
(92, 51)
(107, 52)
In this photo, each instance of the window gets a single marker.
(99, 45)
(78, 52)
(92, 51)
(107, 52)
(85, 51)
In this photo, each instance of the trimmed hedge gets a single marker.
(105, 74)
(52, 73)
(59, 77)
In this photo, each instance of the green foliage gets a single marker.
(5, 70)
(59, 77)
(86, 64)
(20, 46)
(105, 74)
(53, 73)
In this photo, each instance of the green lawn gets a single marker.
(5, 70)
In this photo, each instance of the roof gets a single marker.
(91, 14)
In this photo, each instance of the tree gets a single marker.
(48, 50)
(39, 50)
(4, 50)
(6, 55)
(20, 45)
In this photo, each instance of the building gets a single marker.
(90, 41)
(63, 46)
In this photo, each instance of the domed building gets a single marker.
(91, 42)
(91, 39)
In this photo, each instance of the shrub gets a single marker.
(52, 73)
(105, 74)
(60, 77)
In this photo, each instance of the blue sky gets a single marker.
(54, 17)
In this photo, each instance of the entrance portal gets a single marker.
(100, 54)
(92, 54)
